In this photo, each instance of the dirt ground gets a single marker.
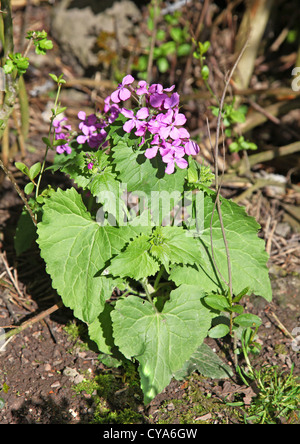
(51, 374)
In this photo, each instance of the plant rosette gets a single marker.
(141, 218)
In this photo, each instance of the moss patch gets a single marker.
(197, 407)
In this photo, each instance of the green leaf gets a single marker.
(22, 167)
(135, 261)
(217, 302)
(29, 188)
(176, 34)
(247, 320)
(108, 190)
(237, 116)
(183, 49)
(34, 170)
(8, 67)
(59, 142)
(53, 77)
(218, 331)
(206, 362)
(167, 48)
(25, 233)
(247, 253)
(160, 341)
(234, 147)
(239, 296)
(160, 35)
(175, 245)
(205, 72)
(100, 330)
(76, 250)
(46, 141)
(162, 64)
(147, 178)
(204, 47)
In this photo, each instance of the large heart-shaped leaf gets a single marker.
(76, 250)
(248, 256)
(160, 341)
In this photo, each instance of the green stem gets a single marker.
(11, 82)
(158, 277)
(145, 286)
(48, 146)
(8, 27)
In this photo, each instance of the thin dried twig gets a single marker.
(13, 281)
(19, 191)
(216, 155)
(39, 317)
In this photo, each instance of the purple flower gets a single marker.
(92, 130)
(91, 136)
(151, 152)
(62, 133)
(171, 102)
(90, 165)
(174, 155)
(191, 148)
(143, 88)
(106, 107)
(90, 120)
(112, 110)
(121, 92)
(135, 121)
(169, 123)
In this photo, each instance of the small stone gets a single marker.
(170, 406)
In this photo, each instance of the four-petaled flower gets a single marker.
(169, 125)
(121, 92)
(135, 121)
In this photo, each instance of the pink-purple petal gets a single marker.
(127, 113)
(115, 96)
(142, 113)
(124, 94)
(181, 163)
(170, 168)
(81, 139)
(128, 126)
(180, 119)
(191, 148)
(151, 152)
(127, 80)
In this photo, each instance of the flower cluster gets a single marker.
(157, 121)
(92, 130)
(62, 132)
(160, 118)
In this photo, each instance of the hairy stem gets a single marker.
(145, 286)
(47, 147)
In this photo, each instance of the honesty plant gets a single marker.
(141, 218)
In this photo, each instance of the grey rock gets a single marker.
(76, 26)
